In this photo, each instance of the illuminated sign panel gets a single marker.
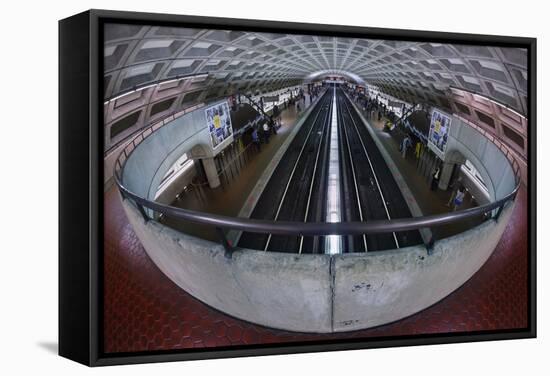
(219, 123)
(440, 126)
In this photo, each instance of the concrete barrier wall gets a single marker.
(278, 290)
(487, 158)
(317, 293)
(174, 187)
(382, 287)
(152, 158)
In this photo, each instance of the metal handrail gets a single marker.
(314, 228)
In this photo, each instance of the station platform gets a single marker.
(144, 310)
(430, 201)
(228, 199)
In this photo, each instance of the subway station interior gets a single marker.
(266, 188)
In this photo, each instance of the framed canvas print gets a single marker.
(235, 187)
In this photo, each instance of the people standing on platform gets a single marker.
(276, 111)
(405, 144)
(272, 125)
(256, 140)
(435, 179)
(455, 186)
(266, 132)
(275, 118)
(459, 198)
(379, 115)
(418, 149)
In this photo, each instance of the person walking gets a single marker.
(266, 132)
(405, 144)
(459, 198)
(418, 149)
(276, 112)
(256, 140)
(435, 179)
(272, 125)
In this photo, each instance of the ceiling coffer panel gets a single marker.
(138, 55)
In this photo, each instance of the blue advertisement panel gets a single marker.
(440, 126)
(219, 123)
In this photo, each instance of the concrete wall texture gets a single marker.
(487, 158)
(381, 287)
(279, 290)
(317, 293)
(152, 158)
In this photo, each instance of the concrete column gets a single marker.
(445, 175)
(211, 172)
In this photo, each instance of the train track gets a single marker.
(332, 172)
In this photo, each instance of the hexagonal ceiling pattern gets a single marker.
(417, 72)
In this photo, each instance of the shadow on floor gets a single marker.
(51, 347)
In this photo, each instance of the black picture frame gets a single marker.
(81, 185)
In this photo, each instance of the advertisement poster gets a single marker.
(440, 126)
(219, 123)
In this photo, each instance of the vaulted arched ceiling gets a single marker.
(218, 63)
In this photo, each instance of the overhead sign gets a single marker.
(394, 104)
(218, 120)
(440, 126)
(272, 98)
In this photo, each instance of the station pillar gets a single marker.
(445, 175)
(211, 172)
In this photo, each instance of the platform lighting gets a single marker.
(120, 96)
(202, 75)
(460, 91)
(147, 87)
(500, 105)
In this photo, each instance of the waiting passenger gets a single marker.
(276, 111)
(405, 144)
(266, 132)
(272, 125)
(435, 179)
(459, 198)
(256, 139)
(455, 187)
(418, 149)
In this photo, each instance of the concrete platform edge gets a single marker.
(233, 236)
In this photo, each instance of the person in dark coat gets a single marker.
(272, 125)
(256, 139)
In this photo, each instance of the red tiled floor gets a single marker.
(144, 310)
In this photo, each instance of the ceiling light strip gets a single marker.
(148, 86)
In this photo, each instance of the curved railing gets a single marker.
(221, 222)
